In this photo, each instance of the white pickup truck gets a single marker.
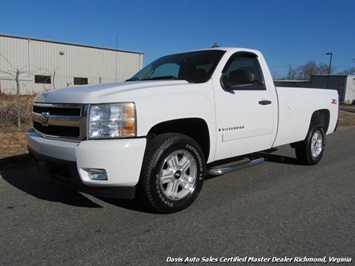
(177, 120)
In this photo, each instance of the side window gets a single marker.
(243, 72)
(80, 81)
(43, 79)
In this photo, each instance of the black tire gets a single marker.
(310, 151)
(172, 174)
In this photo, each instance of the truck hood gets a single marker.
(102, 92)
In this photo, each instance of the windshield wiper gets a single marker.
(133, 79)
(162, 78)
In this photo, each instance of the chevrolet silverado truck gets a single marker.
(157, 135)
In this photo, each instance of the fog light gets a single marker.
(96, 174)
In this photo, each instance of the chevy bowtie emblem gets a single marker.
(43, 119)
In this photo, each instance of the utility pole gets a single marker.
(330, 67)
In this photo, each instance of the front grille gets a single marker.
(57, 130)
(60, 121)
(58, 111)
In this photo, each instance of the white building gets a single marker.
(43, 65)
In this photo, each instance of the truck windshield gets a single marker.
(194, 67)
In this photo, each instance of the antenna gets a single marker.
(215, 44)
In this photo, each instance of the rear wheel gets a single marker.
(310, 151)
(173, 172)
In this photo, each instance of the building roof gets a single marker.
(67, 43)
(293, 80)
(331, 75)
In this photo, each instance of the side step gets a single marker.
(228, 168)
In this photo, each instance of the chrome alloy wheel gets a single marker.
(178, 175)
(316, 144)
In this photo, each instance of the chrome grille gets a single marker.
(60, 121)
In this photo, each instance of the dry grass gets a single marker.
(13, 139)
(8, 109)
(346, 119)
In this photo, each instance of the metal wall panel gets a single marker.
(62, 62)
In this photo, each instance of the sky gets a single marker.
(287, 32)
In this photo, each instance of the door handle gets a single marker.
(264, 102)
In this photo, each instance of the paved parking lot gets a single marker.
(275, 210)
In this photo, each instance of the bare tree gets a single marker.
(17, 78)
(348, 71)
(292, 73)
(304, 72)
(54, 80)
(14, 74)
(307, 70)
(18, 74)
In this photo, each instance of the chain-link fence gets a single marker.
(9, 110)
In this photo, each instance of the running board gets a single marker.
(228, 168)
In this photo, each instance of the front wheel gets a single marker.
(173, 172)
(310, 151)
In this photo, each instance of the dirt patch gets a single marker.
(12, 138)
(13, 141)
(346, 119)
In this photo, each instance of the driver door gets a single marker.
(245, 108)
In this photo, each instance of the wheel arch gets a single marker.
(321, 117)
(195, 128)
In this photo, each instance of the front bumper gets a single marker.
(120, 158)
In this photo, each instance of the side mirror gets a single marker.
(238, 78)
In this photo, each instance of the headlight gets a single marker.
(113, 120)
